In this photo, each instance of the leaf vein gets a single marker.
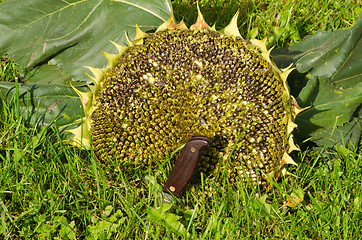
(140, 7)
(50, 14)
(331, 103)
(347, 78)
(85, 19)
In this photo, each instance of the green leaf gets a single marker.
(43, 104)
(260, 206)
(48, 74)
(108, 210)
(329, 79)
(103, 230)
(357, 202)
(349, 135)
(331, 107)
(279, 32)
(253, 33)
(70, 34)
(169, 220)
(296, 197)
(343, 152)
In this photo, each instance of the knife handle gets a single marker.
(185, 166)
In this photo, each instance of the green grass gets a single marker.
(8, 70)
(49, 189)
(282, 22)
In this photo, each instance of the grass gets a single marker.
(282, 22)
(51, 190)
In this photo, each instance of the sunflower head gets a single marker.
(179, 82)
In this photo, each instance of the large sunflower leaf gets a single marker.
(42, 104)
(332, 116)
(330, 82)
(70, 34)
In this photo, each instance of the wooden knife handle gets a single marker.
(185, 166)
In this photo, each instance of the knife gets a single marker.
(184, 168)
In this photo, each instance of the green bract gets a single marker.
(166, 87)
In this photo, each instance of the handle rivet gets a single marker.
(172, 188)
(193, 149)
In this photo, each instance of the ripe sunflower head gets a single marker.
(179, 82)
